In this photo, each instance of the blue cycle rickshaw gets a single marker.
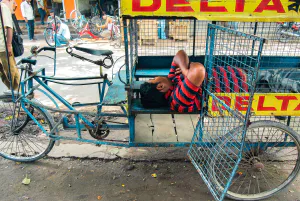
(238, 146)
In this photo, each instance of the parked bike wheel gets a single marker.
(75, 19)
(283, 37)
(270, 161)
(96, 22)
(49, 37)
(20, 137)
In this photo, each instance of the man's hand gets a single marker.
(26, 20)
(178, 71)
(10, 51)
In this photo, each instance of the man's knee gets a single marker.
(196, 73)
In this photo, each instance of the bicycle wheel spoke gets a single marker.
(25, 141)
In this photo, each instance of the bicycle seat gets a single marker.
(28, 61)
(94, 51)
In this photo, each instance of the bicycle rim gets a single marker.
(49, 37)
(20, 137)
(270, 162)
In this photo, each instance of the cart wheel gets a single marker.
(20, 138)
(270, 161)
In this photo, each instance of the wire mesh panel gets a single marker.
(232, 62)
(164, 37)
(280, 72)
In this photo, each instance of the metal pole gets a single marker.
(253, 42)
(126, 49)
(194, 37)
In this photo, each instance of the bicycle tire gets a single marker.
(75, 16)
(48, 35)
(20, 140)
(288, 134)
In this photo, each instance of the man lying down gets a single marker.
(181, 90)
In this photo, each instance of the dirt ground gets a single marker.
(125, 180)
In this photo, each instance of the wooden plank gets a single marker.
(143, 129)
(163, 128)
(184, 126)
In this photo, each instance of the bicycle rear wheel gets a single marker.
(270, 161)
(20, 137)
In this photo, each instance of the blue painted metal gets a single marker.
(152, 63)
(50, 97)
(33, 118)
(149, 72)
(131, 128)
(116, 93)
(98, 142)
(84, 104)
(126, 50)
(78, 127)
(124, 110)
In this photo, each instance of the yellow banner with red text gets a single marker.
(271, 104)
(216, 10)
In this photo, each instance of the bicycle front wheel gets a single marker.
(21, 139)
(49, 37)
(270, 161)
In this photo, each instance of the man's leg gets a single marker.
(42, 14)
(56, 37)
(32, 29)
(29, 29)
(60, 40)
(15, 76)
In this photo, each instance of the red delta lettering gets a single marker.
(241, 103)
(227, 101)
(297, 108)
(204, 7)
(171, 6)
(285, 101)
(264, 5)
(261, 107)
(240, 5)
(184, 6)
(136, 6)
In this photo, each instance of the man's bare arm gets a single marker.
(9, 35)
(182, 61)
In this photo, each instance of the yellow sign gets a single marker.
(271, 104)
(216, 10)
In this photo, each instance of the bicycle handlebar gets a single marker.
(34, 52)
(28, 61)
